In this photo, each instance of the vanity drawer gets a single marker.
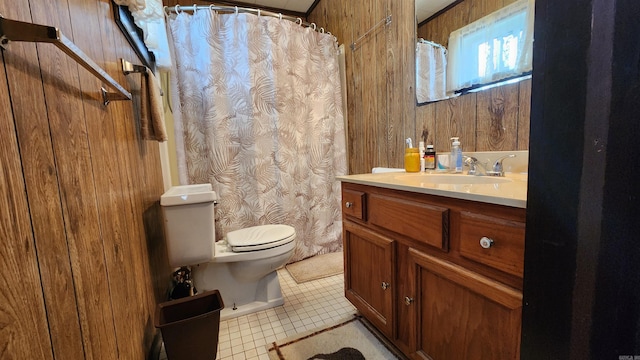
(503, 242)
(354, 204)
(423, 222)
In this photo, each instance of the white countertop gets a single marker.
(510, 191)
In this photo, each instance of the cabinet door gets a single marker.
(368, 274)
(461, 314)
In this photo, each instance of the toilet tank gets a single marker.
(189, 223)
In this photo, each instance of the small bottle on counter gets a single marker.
(421, 153)
(430, 158)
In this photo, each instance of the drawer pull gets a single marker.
(408, 300)
(348, 204)
(385, 285)
(486, 242)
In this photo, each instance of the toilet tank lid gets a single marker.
(188, 194)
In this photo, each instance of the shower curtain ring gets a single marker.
(280, 16)
(211, 7)
(313, 26)
(195, 9)
(236, 10)
(165, 8)
(299, 20)
(177, 8)
(322, 30)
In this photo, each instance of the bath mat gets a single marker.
(352, 339)
(316, 267)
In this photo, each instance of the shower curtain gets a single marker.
(431, 66)
(258, 114)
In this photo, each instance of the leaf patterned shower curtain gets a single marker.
(258, 114)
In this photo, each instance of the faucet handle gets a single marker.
(498, 170)
(472, 162)
(469, 160)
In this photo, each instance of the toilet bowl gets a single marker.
(242, 266)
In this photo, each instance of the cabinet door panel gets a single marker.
(369, 274)
(463, 315)
(405, 313)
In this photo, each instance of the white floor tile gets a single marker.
(306, 306)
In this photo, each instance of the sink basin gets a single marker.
(450, 179)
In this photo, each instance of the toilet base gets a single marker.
(229, 313)
(240, 298)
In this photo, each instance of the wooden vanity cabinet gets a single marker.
(415, 268)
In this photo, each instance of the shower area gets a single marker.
(257, 106)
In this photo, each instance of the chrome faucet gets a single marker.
(473, 163)
(498, 170)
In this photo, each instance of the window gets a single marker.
(496, 47)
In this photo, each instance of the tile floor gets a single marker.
(306, 306)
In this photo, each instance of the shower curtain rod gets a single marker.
(236, 9)
(431, 43)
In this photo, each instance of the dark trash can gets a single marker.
(190, 326)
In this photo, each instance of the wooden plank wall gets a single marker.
(83, 256)
(489, 120)
(380, 77)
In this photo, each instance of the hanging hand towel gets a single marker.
(151, 110)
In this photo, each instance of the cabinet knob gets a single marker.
(385, 285)
(408, 300)
(348, 204)
(486, 242)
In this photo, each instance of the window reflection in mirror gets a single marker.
(493, 48)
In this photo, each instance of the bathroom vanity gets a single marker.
(436, 262)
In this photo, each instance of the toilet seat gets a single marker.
(260, 237)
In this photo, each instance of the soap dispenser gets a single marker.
(455, 163)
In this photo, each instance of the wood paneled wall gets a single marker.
(83, 261)
(380, 77)
(490, 120)
(496, 119)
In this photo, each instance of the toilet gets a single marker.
(242, 266)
